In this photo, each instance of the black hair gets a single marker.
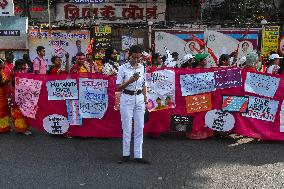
(245, 43)
(223, 57)
(39, 48)
(53, 58)
(281, 65)
(18, 64)
(109, 51)
(135, 49)
(155, 57)
(174, 54)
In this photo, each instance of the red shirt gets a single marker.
(55, 71)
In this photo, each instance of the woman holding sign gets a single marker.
(131, 82)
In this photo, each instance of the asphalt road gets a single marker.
(43, 161)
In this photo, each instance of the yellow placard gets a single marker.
(102, 29)
(270, 39)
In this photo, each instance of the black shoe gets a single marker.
(141, 160)
(124, 159)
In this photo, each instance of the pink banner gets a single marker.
(110, 125)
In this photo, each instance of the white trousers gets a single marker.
(132, 106)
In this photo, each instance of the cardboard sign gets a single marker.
(198, 103)
(235, 104)
(261, 108)
(181, 123)
(93, 100)
(192, 84)
(228, 78)
(261, 84)
(219, 120)
(270, 39)
(56, 124)
(62, 89)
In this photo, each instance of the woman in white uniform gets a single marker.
(131, 81)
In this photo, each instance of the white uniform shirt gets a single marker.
(126, 71)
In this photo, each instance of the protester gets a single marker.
(273, 65)
(175, 56)
(110, 62)
(224, 60)
(157, 60)
(90, 64)
(28, 61)
(19, 120)
(79, 66)
(187, 61)
(9, 66)
(251, 62)
(4, 108)
(39, 64)
(56, 65)
(200, 61)
(131, 81)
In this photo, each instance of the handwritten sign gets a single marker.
(219, 120)
(270, 39)
(102, 37)
(93, 99)
(228, 78)
(56, 124)
(198, 103)
(62, 89)
(235, 104)
(192, 84)
(27, 93)
(181, 123)
(261, 108)
(74, 116)
(160, 90)
(261, 84)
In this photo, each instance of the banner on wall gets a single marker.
(58, 42)
(13, 33)
(270, 37)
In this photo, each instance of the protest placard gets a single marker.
(74, 116)
(198, 103)
(261, 84)
(27, 93)
(160, 90)
(181, 123)
(192, 84)
(235, 103)
(261, 108)
(62, 89)
(219, 120)
(56, 124)
(228, 78)
(93, 99)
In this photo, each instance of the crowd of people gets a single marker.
(10, 113)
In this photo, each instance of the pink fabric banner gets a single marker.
(110, 125)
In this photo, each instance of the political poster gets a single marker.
(58, 42)
(62, 89)
(102, 36)
(261, 108)
(27, 93)
(192, 84)
(93, 97)
(270, 37)
(261, 84)
(6, 8)
(160, 90)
